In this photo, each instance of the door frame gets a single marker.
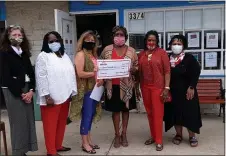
(116, 11)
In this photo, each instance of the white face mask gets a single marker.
(177, 49)
(55, 46)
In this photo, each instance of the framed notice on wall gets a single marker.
(212, 60)
(212, 39)
(194, 39)
(168, 37)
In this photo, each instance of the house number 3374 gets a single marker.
(136, 15)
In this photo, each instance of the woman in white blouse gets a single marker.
(56, 83)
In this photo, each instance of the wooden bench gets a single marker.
(210, 91)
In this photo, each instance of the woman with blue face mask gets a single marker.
(183, 110)
(56, 83)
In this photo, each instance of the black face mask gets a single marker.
(88, 45)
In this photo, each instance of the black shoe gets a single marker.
(68, 121)
(92, 151)
(64, 149)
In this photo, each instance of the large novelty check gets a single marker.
(115, 68)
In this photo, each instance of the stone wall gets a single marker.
(36, 17)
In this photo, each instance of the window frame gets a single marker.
(219, 72)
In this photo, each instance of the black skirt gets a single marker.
(115, 104)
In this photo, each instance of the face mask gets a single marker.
(88, 45)
(119, 41)
(15, 41)
(177, 49)
(151, 45)
(55, 46)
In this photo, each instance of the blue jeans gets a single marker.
(88, 112)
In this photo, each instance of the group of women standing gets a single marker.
(168, 87)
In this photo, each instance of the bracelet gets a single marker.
(167, 88)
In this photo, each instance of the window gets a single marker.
(192, 19)
(174, 20)
(206, 37)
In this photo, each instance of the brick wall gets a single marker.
(37, 18)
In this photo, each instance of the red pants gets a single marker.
(155, 110)
(54, 120)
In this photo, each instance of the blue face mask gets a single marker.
(55, 46)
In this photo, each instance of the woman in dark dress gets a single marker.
(184, 110)
(120, 92)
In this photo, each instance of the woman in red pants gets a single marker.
(56, 83)
(154, 75)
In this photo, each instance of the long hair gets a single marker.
(82, 38)
(5, 42)
(45, 44)
(151, 32)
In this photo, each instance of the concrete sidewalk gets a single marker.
(211, 139)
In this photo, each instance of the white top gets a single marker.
(54, 76)
(18, 51)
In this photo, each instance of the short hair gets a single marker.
(45, 45)
(5, 42)
(120, 28)
(151, 32)
(181, 38)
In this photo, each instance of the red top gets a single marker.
(116, 81)
(153, 68)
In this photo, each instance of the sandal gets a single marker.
(124, 141)
(95, 146)
(149, 141)
(193, 141)
(159, 147)
(177, 139)
(117, 141)
(92, 151)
